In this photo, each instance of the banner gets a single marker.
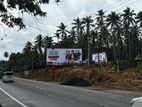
(59, 56)
(102, 57)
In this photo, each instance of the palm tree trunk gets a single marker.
(129, 48)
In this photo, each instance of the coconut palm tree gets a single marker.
(128, 21)
(135, 34)
(63, 33)
(57, 35)
(6, 54)
(72, 38)
(88, 22)
(47, 42)
(102, 32)
(28, 47)
(100, 19)
(113, 22)
(139, 19)
(139, 23)
(39, 43)
(78, 28)
(128, 17)
(94, 38)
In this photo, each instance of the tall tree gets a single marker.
(139, 19)
(128, 21)
(72, 38)
(28, 47)
(63, 33)
(102, 32)
(39, 43)
(57, 35)
(78, 28)
(139, 24)
(135, 34)
(88, 22)
(6, 54)
(47, 42)
(114, 22)
(100, 19)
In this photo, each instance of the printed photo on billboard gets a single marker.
(59, 56)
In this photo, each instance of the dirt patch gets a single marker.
(128, 80)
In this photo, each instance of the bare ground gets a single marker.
(129, 80)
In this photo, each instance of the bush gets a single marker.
(139, 68)
(75, 81)
(124, 65)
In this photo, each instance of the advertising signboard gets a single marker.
(59, 56)
(102, 57)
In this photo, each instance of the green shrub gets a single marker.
(125, 65)
(139, 68)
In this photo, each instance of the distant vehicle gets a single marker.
(1, 72)
(136, 102)
(8, 76)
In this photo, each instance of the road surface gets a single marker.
(29, 93)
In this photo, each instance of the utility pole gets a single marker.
(32, 49)
(88, 50)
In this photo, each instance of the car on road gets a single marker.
(8, 76)
(136, 102)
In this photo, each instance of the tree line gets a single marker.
(117, 34)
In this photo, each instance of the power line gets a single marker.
(134, 2)
(43, 26)
(108, 6)
(41, 30)
(122, 3)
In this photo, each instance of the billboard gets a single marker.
(59, 56)
(101, 57)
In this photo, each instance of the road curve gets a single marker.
(42, 94)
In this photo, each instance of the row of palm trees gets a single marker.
(118, 34)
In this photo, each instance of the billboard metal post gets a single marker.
(53, 72)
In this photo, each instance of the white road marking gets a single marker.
(13, 98)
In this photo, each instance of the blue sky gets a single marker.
(65, 12)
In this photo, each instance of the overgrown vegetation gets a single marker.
(140, 68)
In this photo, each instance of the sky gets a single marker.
(66, 11)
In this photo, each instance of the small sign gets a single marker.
(101, 57)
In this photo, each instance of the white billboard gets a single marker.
(101, 57)
(59, 56)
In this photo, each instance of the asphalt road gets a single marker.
(28, 93)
